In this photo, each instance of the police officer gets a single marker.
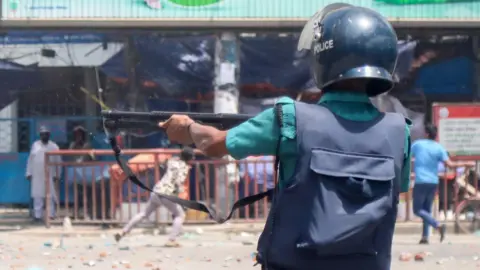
(343, 163)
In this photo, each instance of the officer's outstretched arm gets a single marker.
(257, 136)
(209, 140)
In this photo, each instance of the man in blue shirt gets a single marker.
(354, 53)
(428, 153)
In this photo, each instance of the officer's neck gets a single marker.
(350, 86)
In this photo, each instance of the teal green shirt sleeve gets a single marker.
(257, 136)
(405, 185)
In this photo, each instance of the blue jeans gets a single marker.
(423, 197)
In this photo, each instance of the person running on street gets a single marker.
(428, 153)
(170, 184)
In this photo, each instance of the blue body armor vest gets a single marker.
(339, 210)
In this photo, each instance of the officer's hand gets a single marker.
(56, 179)
(177, 129)
(29, 178)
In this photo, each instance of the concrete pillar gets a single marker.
(226, 96)
(227, 66)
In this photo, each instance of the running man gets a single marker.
(428, 153)
(170, 184)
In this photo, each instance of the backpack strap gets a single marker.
(278, 109)
(263, 258)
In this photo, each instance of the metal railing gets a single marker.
(98, 191)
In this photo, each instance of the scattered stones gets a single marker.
(420, 257)
(245, 234)
(90, 263)
(103, 254)
(405, 257)
(91, 252)
(67, 225)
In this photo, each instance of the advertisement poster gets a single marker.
(171, 10)
(458, 128)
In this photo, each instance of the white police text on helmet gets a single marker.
(323, 46)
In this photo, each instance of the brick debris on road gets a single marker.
(201, 250)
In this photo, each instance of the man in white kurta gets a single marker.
(36, 173)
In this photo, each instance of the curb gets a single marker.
(94, 231)
(90, 231)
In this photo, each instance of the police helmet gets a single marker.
(349, 42)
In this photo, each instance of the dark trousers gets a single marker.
(423, 197)
(445, 201)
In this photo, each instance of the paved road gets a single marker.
(208, 250)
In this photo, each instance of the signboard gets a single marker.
(136, 12)
(458, 128)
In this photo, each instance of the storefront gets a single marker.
(222, 47)
(226, 14)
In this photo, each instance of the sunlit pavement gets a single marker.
(201, 250)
